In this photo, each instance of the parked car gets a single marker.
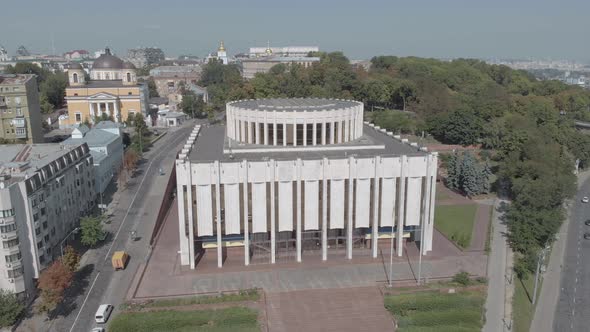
(587, 222)
(98, 329)
(103, 313)
(586, 236)
(585, 199)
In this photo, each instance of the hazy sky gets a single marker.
(361, 28)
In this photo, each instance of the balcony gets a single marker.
(6, 220)
(14, 264)
(20, 132)
(9, 235)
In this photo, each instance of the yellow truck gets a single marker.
(119, 260)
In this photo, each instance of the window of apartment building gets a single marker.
(43, 211)
(36, 217)
(45, 225)
(10, 244)
(16, 88)
(13, 257)
(41, 197)
(8, 228)
(42, 259)
(78, 117)
(15, 273)
(52, 231)
(37, 231)
(46, 238)
(6, 213)
(19, 111)
(39, 244)
(34, 202)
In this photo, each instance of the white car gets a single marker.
(585, 199)
(98, 329)
(103, 313)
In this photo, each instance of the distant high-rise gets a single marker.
(145, 56)
(22, 51)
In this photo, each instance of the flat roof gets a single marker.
(295, 104)
(211, 142)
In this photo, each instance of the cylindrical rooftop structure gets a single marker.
(295, 121)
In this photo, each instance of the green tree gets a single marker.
(454, 172)
(10, 308)
(54, 88)
(71, 259)
(91, 228)
(153, 90)
(469, 175)
(192, 104)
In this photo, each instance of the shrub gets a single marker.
(462, 278)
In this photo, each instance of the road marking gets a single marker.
(83, 303)
(133, 200)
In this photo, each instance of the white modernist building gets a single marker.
(290, 178)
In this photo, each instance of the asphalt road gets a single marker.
(136, 210)
(573, 307)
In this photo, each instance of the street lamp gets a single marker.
(74, 231)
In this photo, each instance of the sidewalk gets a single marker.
(500, 289)
(547, 301)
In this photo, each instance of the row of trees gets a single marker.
(52, 86)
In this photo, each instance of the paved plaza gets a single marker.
(163, 275)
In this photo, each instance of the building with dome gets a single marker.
(111, 90)
(296, 180)
(220, 55)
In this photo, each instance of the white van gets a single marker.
(103, 313)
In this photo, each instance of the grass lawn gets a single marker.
(456, 222)
(245, 295)
(222, 320)
(435, 311)
(522, 306)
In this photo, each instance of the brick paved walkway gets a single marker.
(351, 309)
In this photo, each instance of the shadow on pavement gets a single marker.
(79, 284)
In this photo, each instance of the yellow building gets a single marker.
(112, 90)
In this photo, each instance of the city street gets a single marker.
(573, 307)
(136, 209)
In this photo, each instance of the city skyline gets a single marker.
(426, 28)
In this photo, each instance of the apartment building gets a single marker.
(20, 113)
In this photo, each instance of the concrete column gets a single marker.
(246, 212)
(304, 132)
(314, 131)
(298, 231)
(117, 112)
(272, 212)
(250, 133)
(191, 225)
(375, 227)
(325, 209)
(274, 129)
(182, 227)
(284, 133)
(109, 109)
(350, 207)
(425, 202)
(431, 205)
(332, 132)
(265, 133)
(256, 133)
(218, 213)
(294, 132)
(340, 129)
(401, 217)
(242, 131)
(324, 133)
(346, 129)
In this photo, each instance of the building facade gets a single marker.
(105, 142)
(290, 178)
(170, 79)
(20, 112)
(288, 51)
(145, 56)
(112, 91)
(252, 66)
(44, 190)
